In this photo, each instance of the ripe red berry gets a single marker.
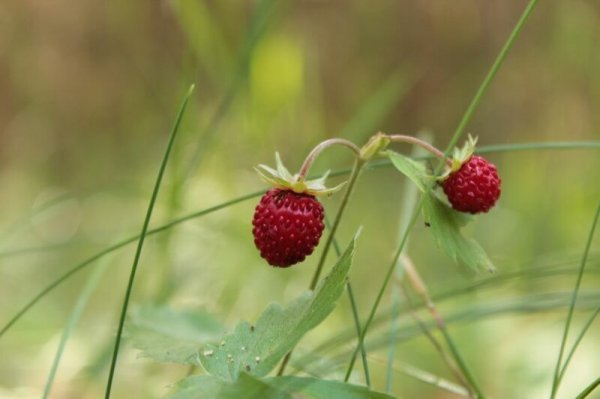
(475, 187)
(287, 226)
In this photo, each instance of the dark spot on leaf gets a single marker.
(427, 224)
(248, 368)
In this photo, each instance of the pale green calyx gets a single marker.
(459, 157)
(283, 179)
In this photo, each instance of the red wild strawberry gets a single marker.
(474, 187)
(287, 226)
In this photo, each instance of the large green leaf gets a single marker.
(169, 335)
(445, 226)
(288, 387)
(256, 349)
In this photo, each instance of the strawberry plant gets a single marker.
(324, 339)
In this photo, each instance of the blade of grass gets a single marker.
(138, 252)
(408, 201)
(589, 389)
(556, 380)
(457, 134)
(576, 344)
(80, 305)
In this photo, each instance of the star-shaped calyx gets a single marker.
(283, 179)
(459, 157)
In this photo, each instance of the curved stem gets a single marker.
(401, 138)
(317, 150)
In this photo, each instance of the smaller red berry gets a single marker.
(474, 187)
(287, 226)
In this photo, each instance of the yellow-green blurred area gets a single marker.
(89, 91)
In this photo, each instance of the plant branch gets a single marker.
(312, 156)
(400, 138)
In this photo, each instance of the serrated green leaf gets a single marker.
(287, 387)
(445, 226)
(257, 349)
(168, 335)
(414, 170)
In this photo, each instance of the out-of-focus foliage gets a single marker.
(88, 92)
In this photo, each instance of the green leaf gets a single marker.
(257, 349)
(445, 225)
(288, 387)
(314, 388)
(209, 387)
(174, 336)
(414, 170)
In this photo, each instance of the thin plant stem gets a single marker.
(312, 156)
(358, 164)
(363, 351)
(589, 389)
(446, 357)
(556, 379)
(401, 138)
(431, 379)
(138, 252)
(457, 134)
(576, 344)
(418, 285)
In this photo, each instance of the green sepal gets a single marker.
(459, 157)
(283, 179)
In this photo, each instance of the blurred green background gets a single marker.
(89, 91)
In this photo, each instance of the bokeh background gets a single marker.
(89, 91)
